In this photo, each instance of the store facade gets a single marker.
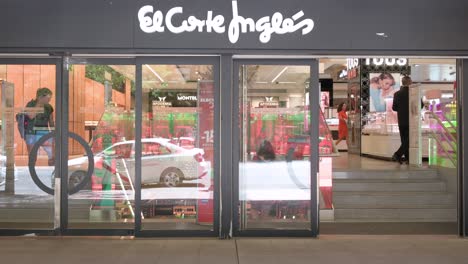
(161, 109)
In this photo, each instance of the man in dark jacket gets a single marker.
(401, 105)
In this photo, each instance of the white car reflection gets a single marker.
(3, 170)
(162, 162)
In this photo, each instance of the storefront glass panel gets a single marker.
(101, 121)
(27, 115)
(177, 185)
(274, 173)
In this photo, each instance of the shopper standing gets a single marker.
(401, 105)
(342, 124)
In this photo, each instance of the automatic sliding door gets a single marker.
(177, 147)
(274, 179)
(101, 158)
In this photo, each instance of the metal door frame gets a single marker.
(314, 157)
(67, 62)
(462, 134)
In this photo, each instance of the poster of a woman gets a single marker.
(382, 88)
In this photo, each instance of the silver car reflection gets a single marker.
(162, 162)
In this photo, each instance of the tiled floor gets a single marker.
(326, 249)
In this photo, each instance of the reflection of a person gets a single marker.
(342, 125)
(433, 107)
(381, 87)
(266, 152)
(40, 124)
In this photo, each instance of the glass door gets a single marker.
(100, 118)
(28, 93)
(277, 157)
(177, 190)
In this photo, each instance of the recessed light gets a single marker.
(381, 34)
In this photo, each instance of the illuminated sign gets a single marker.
(152, 21)
(186, 97)
(352, 63)
(269, 102)
(386, 61)
(162, 102)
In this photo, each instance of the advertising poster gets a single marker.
(206, 118)
(324, 100)
(206, 142)
(381, 89)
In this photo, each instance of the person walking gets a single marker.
(40, 123)
(342, 124)
(401, 106)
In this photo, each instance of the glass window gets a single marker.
(102, 114)
(178, 155)
(274, 173)
(27, 115)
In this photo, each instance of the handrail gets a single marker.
(443, 148)
(450, 122)
(443, 127)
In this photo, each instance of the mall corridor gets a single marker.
(327, 249)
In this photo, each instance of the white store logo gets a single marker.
(266, 25)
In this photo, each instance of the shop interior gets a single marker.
(371, 192)
(362, 190)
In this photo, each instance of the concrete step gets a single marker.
(386, 174)
(343, 200)
(388, 185)
(397, 214)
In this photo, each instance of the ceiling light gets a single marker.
(154, 72)
(279, 74)
(382, 34)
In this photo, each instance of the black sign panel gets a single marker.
(329, 25)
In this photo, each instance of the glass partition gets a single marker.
(101, 163)
(177, 147)
(274, 172)
(27, 160)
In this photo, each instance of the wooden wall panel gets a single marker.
(98, 100)
(15, 75)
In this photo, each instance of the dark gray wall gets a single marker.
(340, 25)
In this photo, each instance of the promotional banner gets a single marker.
(206, 118)
(206, 142)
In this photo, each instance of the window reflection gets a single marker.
(178, 132)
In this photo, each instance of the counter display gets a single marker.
(381, 137)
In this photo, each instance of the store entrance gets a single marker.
(376, 191)
(274, 184)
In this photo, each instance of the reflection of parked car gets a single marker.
(184, 142)
(162, 162)
(3, 170)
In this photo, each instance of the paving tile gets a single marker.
(326, 249)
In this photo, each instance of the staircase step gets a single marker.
(397, 214)
(343, 200)
(389, 185)
(386, 174)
